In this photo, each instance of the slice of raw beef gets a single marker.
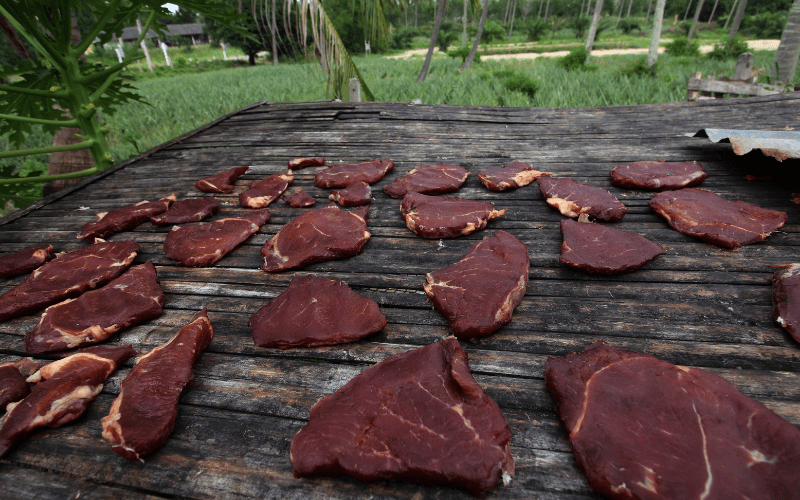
(356, 194)
(478, 293)
(317, 235)
(125, 218)
(182, 212)
(13, 386)
(428, 179)
(343, 175)
(68, 275)
(24, 261)
(261, 193)
(435, 217)
(786, 299)
(143, 415)
(658, 175)
(705, 215)
(300, 199)
(221, 182)
(299, 163)
(644, 428)
(418, 416)
(96, 315)
(515, 174)
(63, 391)
(595, 248)
(315, 311)
(573, 198)
(201, 245)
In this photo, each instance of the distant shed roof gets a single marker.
(132, 33)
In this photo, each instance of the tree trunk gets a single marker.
(439, 15)
(547, 10)
(274, 29)
(727, 21)
(711, 17)
(505, 14)
(541, 4)
(464, 23)
(583, 4)
(789, 50)
(144, 46)
(649, 6)
(738, 19)
(598, 8)
(416, 10)
(474, 50)
(688, 7)
(694, 22)
(630, 4)
(619, 14)
(655, 35)
(513, 14)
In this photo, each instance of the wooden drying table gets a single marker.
(698, 305)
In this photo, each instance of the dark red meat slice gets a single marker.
(644, 428)
(201, 245)
(96, 315)
(786, 299)
(25, 260)
(143, 415)
(478, 293)
(261, 193)
(428, 179)
(182, 212)
(601, 249)
(343, 175)
(13, 386)
(704, 215)
(125, 218)
(515, 174)
(418, 416)
(434, 217)
(356, 194)
(63, 391)
(299, 163)
(315, 311)
(68, 275)
(300, 199)
(658, 175)
(573, 198)
(317, 235)
(221, 182)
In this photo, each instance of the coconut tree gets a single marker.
(694, 22)
(437, 23)
(655, 35)
(474, 49)
(738, 19)
(598, 8)
(785, 65)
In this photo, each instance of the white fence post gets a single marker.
(224, 54)
(166, 55)
(355, 90)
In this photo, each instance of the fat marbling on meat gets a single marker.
(132, 298)
(513, 175)
(437, 217)
(786, 298)
(13, 386)
(644, 428)
(202, 245)
(221, 182)
(261, 193)
(63, 391)
(596, 248)
(191, 210)
(143, 415)
(428, 179)
(315, 311)
(25, 260)
(418, 416)
(300, 199)
(705, 215)
(572, 199)
(356, 194)
(658, 175)
(317, 235)
(478, 293)
(125, 218)
(341, 176)
(68, 275)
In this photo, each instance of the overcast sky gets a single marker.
(171, 6)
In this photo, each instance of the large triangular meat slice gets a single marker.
(261, 193)
(13, 386)
(428, 179)
(143, 415)
(343, 175)
(705, 215)
(221, 182)
(478, 293)
(595, 248)
(201, 245)
(658, 175)
(644, 428)
(125, 218)
(572, 199)
(68, 275)
(25, 260)
(63, 391)
(315, 311)
(317, 235)
(515, 174)
(435, 217)
(417, 416)
(183, 212)
(128, 300)
(786, 299)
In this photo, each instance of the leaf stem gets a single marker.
(40, 121)
(41, 93)
(110, 12)
(46, 178)
(52, 149)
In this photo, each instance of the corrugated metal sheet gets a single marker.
(780, 144)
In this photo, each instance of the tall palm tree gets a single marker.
(598, 8)
(655, 35)
(785, 65)
(439, 16)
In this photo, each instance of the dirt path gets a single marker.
(753, 44)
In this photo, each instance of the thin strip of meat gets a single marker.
(13, 386)
(221, 182)
(596, 248)
(356, 194)
(428, 179)
(300, 199)
(63, 391)
(68, 275)
(343, 175)
(261, 193)
(130, 299)
(786, 298)
(644, 428)
(437, 217)
(513, 175)
(191, 210)
(658, 175)
(143, 415)
(125, 218)
(25, 260)
(299, 163)
(418, 416)
(572, 199)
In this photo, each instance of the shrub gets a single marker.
(446, 36)
(463, 52)
(575, 60)
(521, 83)
(679, 48)
(765, 25)
(629, 24)
(535, 29)
(639, 67)
(729, 49)
(402, 39)
(580, 24)
(492, 30)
